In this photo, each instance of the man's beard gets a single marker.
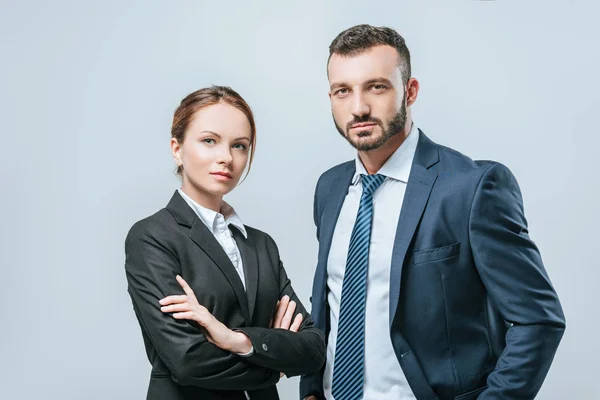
(394, 126)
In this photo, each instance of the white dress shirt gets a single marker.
(384, 378)
(218, 224)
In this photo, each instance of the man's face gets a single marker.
(367, 96)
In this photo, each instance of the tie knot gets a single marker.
(371, 182)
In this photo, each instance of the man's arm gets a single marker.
(512, 271)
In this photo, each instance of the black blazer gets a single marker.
(184, 364)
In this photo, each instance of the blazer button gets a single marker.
(265, 347)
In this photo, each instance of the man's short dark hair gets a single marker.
(359, 38)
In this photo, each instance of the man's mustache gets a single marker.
(363, 120)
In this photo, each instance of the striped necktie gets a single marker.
(348, 366)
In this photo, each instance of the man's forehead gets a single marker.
(376, 62)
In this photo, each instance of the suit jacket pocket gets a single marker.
(436, 254)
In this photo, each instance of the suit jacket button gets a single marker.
(265, 347)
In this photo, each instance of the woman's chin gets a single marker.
(221, 189)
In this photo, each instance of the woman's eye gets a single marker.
(208, 141)
(239, 146)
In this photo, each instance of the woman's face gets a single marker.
(214, 152)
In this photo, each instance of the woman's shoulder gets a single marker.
(259, 236)
(159, 224)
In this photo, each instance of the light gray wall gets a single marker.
(86, 100)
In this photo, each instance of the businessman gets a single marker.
(428, 285)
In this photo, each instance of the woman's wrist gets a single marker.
(239, 343)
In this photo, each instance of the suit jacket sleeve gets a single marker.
(151, 268)
(292, 353)
(512, 271)
(312, 384)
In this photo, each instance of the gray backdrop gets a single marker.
(86, 101)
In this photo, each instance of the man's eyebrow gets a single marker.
(381, 79)
(336, 85)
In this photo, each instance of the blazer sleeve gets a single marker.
(151, 268)
(293, 353)
(511, 268)
(312, 384)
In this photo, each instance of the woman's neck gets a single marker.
(203, 198)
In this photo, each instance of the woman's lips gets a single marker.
(224, 176)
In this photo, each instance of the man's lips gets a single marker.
(363, 125)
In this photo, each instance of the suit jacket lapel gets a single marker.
(250, 261)
(333, 205)
(418, 189)
(204, 238)
(333, 200)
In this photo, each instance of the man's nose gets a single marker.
(360, 107)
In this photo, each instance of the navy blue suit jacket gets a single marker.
(472, 311)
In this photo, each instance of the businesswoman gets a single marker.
(219, 317)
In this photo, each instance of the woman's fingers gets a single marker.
(186, 288)
(271, 321)
(173, 299)
(184, 315)
(182, 298)
(281, 308)
(183, 312)
(297, 322)
(176, 307)
(289, 313)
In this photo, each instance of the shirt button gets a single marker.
(265, 347)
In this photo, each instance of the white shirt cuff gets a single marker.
(248, 354)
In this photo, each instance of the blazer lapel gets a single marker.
(204, 238)
(333, 205)
(333, 200)
(250, 261)
(418, 189)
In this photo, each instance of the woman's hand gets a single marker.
(283, 317)
(284, 314)
(187, 307)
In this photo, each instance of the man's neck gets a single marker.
(374, 159)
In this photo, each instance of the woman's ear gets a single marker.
(176, 150)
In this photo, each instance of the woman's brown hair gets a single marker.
(206, 97)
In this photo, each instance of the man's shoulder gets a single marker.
(468, 174)
(454, 161)
(335, 173)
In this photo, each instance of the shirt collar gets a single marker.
(399, 164)
(208, 216)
